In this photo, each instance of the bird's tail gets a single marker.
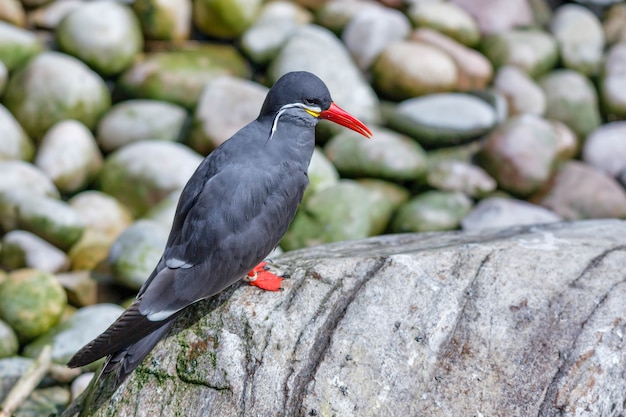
(124, 362)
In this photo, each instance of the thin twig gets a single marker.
(27, 383)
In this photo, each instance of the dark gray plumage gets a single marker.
(231, 214)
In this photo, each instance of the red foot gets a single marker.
(264, 279)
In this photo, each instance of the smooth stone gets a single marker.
(580, 36)
(11, 370)
(90, 252)
(136, 252)
(167, 20)
(567, 145)
(613, 23)
(335, 15)
(11, 11)
(579, 191)
(443, 119)
(9, 344)
(67, 337)
(50, 15)
(495, 17)
(104, 34)
(163, 213)
(51, 219)
(407, 69)
(136, 120)
(4, 77)
(446, 18)
(371, 30)
(335, 213)
(226, 19)
(386, 197)
(605, 148)
(31, 302)
(44, 402)
(311, 48)
(17, 45)
(523, 94)
(15, 142)
(69, 155)
(262, 41)
(520, 154)
(532, 50)
(101, 212)
(80, 384)
(141, 174)
(179, 75)
(21, 175)
(45, 92)
(226, 105)
(322, 173)
(431, 211)
(390, 156)
(469, 179)
(613, 82)
(21, 249)
(80, 287)
(571, 99)
(473, 68)
(497, 212)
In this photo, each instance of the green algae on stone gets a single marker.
(17, 45)
(226, 19)
(179, 75)
(48, 218)
(386, 197)
(31, 302)
(164, 20)
(45, 91)
(432, 211)
(9, 344)
(15, 143)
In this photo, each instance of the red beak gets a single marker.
(337, 115)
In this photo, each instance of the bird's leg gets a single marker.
(261, 277)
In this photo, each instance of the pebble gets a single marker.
(498, 212)
(143, 173)
(495, 16)
(21, 249)
(15, 142)
(523, 94)
(226, 105)
(447, 18)
(605, 148)
(45, 92)
(17, 45)
(9, 344)
(322, 173)
(460, 176)
(431, 211)
(106, 35)
(391, 156)
(136, 252)
(101, 213)
(520, 154)
(443, 119)
(225, 19)
(580, 36)
(579, 191)
(68, 154)
(571, 99)
(371, 30)
(613, 82)
(136, 120)
(387, 197)
(167, 20)
(31, 302)
(407, 69)
(20, 175)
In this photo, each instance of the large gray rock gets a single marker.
(524, 321)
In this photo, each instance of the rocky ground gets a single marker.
(485, 113)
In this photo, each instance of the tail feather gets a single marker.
(122, 363)
(130, 327)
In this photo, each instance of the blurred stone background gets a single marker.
(486, 113)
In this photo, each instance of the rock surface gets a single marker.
(486, 323)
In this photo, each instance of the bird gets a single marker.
(231, 214)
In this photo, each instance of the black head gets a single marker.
(297, 87)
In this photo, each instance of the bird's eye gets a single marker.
(310, 102)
